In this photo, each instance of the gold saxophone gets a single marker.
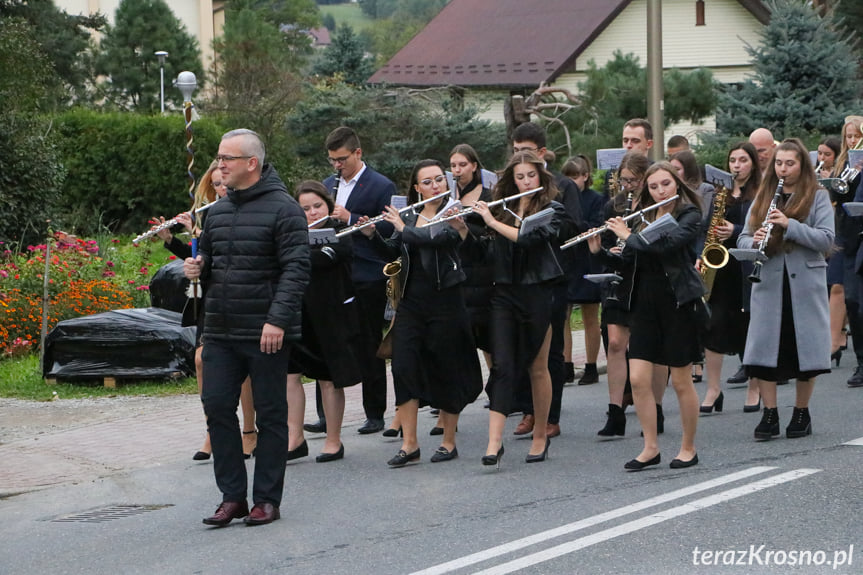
(394, 288)
(714, 255)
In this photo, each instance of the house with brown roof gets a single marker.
(495, 48)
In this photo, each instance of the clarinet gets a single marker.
(755, 276)
(338, 178)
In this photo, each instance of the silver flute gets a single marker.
(380, 218)
(316, 222)
(470, 209)
(589, 234)
(169, 223)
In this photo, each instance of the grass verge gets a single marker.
(20, 378)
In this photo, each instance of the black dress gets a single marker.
(729, 318)
(434, 354)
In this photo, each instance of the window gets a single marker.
(699, 12)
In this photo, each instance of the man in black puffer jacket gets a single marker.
(254, 256)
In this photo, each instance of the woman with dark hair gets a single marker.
(210, 189)
(666, 308)
(434, 360)
(328, 350)
(580, 291)
(525, 266)
(729, 299)
(625, 187)
(791, 292)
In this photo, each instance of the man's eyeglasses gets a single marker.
(428, 181)
(517, 149)
(226, 158)
(341, 160)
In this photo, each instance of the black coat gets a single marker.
(678, 254)
(255, 249)
(329, 306)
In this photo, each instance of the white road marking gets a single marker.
(607, 534)
(589, 522)
(858, 441)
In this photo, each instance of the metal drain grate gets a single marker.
(108, 513)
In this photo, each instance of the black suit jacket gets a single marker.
(372, 193)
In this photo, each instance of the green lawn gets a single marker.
(20, 378)
(348, 13)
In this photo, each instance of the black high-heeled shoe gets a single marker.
(540, 456)
(836, 356)
(393, 432)
(752, 408)
(717, 403)
(302, 450)
(493, 459)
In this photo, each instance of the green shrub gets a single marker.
(123, 168)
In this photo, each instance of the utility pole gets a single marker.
(655, 103)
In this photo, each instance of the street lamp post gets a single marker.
(162, 55)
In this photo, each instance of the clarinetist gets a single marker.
(789, 331)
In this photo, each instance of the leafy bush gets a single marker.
(125, 168)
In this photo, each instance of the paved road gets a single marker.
(769, 505)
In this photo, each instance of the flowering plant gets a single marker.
(84, 278)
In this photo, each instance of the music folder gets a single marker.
(609, 158)
(399, 202)
(602, 278)
(322, 237)
(855, 158)
(853, 209)
(747, 255)
(661, 227)
(539, 219)
(435, 229)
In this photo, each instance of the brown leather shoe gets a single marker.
(524, 426)
(227, 512)
(552, 429)
(262, 513)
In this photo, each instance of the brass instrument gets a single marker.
(755, 276)
(714, 255)
(394, 287)
(640, 213)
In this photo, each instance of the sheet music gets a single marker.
(813, 157)
(399, 202)
(609, 158)
(717, 177)
(322, 237)
(855, 157)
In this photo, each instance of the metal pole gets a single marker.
(46, 299)
(655, 103)
(162, 84)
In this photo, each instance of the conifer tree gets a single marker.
(345, 56)
(128, 55)
(805, 77)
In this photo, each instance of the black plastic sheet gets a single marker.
(168, 287)
(146, 343)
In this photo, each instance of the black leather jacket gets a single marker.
(438, 247)
(678, 255)
(532, 259)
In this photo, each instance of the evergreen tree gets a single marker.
(329, 21)
(128, 55)
(805, 77)
(65, 40)
(345, 56)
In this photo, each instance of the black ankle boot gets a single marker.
(769, 426)
(616, 422)
(801, 424)
(660, 420)
(591, 375)
(569, 370)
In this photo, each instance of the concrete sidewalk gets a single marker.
(152, 437)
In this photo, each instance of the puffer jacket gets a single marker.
(255, 250)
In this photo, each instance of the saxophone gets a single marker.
(394, 284)
(714, 255)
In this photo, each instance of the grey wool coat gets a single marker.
(803, 255)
